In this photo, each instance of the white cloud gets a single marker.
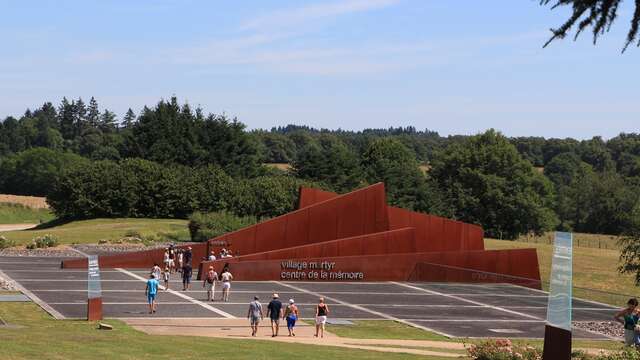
(298, 16)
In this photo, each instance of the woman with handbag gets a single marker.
(629, 318)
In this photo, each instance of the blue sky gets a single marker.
(454, 66)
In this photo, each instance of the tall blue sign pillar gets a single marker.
(557, 333)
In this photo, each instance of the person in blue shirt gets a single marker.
(152, 291)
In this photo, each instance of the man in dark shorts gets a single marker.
(186, 276)
(274, 312)
(188, 255)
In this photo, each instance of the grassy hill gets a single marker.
(595, 272)
(14, 213)
(92, 231)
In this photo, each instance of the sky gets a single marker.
(453, 66)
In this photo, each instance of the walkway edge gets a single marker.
(53, 312)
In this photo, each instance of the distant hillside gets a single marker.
(33, 202)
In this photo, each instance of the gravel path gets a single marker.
(609, 328)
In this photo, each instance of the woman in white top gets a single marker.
(226, 278)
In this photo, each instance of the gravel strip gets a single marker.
(50, 252)
(6, 284)
(609, 328)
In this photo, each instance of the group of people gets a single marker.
(209, 282)
(224, 253)
(290, 313)
(174, 259)
(211, 278)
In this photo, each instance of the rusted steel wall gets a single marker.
(137, 259)
(434, 233)
(310, 196)
(357, 213)
(516, 264)
(387, 242)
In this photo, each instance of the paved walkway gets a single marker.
(13, 227)
(239, 329)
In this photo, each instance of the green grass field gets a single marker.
(592, 269)
(20, 214)
(384, 329)
(92, 231)
(41, 337)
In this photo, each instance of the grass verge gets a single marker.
(44, 338)
(595, 269)
(92, 231)
(384, 329)
(20, 214)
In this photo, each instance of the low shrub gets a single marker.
(503, 350)
(6, 243)
(132, 234)
(44, 241)
(204, 226)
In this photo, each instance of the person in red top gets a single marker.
(209, 282)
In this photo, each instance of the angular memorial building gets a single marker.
(353, 237)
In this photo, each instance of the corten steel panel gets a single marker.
(436, 232)
(136, 259)
(393, 267)
(350, 217)
(310, 196)
(399, 218)
(359, 245)
(424, 241)
(402, 241)
(475, 237)
(323, 222)
(377, 202)
(240, 242)
(94, 309)
(297, 228)
(452, 235)
(271, 235)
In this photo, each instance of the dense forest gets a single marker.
(171, 160)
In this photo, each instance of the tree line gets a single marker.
(172, 160)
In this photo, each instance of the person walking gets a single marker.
(172, 259)
(226, 278)
(155, 270)
(274, 312)
(255, 315)
(629, 317)
(186, 276)
(166, 276)
(291, 314)
(151, 292)
(210, 283)
(180, 256)
(322, 310)
(166, 259)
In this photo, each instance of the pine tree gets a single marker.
(80, 118)
(93, 116)
(129, 119)
(107, 121)
(66, 113)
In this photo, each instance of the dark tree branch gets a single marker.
(598, 15)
